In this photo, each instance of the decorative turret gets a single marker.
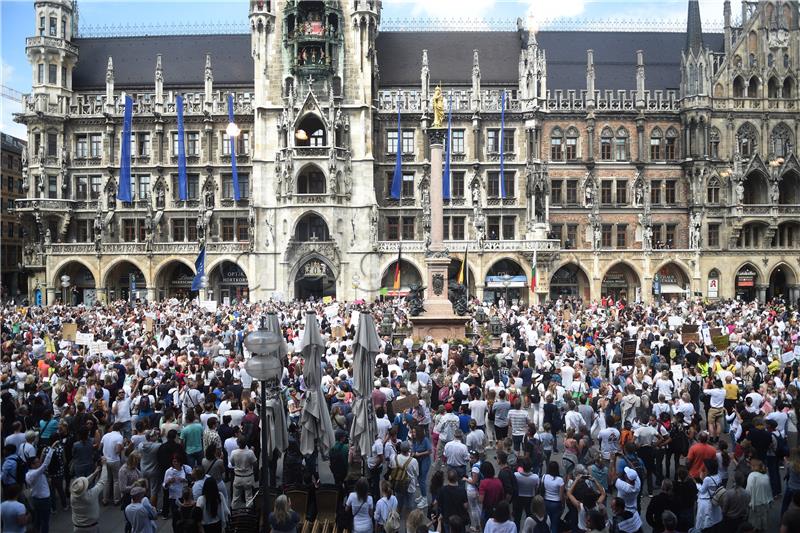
(366, 19)
(532, 67)
(110, 85)
(590, 79)
(694, 61)
(208, 79)
(425, 80)
(694, 29)
(640, 79)
(262, 27)
(159, 82)
(476, 82)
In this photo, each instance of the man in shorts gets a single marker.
(716, 411)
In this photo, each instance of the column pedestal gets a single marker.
(438, 320)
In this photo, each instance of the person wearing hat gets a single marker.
(628, 486)
(84, 500)
(139, 513)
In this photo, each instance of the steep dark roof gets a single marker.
(400, 58)
(450, 57)
(183, 58)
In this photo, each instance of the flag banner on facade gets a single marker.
(533, 273)
(183, 194)
(397, 179)
(501, 187)
(200, 266)
(396, 285)
(232, 140)
(463, 270)
(447, 150)
(124, 193)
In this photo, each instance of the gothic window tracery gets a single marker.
(747, 139)
(782, 140)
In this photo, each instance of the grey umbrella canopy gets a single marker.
(278, 434)
(365, 347)
(315, 423)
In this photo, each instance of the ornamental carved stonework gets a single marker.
(437, 282)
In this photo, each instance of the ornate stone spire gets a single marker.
(476, 82)
(694, 28)
(424, 75)
(590, 78)
(159, 77)
(639, 78)
(110, 83)
(209, 81)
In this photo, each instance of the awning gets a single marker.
(502, 282)
(671, 288)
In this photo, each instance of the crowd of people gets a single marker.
(670, 417)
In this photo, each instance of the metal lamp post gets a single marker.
(265, 366)
(65, 287)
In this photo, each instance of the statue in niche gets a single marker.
(48, 238)
(476, 193)
(40, 182)
(739, 189)
(539, 202)
(638, 193)
(111, 198)
(333, 184)
(588, 195)
(774, 193)
(98, 232)
(160, 198)
(694, 231)
(208, 199)
(373, 227)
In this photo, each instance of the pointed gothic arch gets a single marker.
(747, 139)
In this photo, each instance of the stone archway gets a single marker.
(228, 282)
(315, 279)
(745, 282)
(621, 282)
(174, 280)
(506, 280)
(782, 279)
(409, 275)
(570, 281)
(671, 281)
(82, 285)
(125, 281)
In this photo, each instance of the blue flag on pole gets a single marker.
(124, 186)
(447, 150)
(183, 195)
(397, 179)
(200, 266)
(232, 140)
(502, 185)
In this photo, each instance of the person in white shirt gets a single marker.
(122, 412)
(403, 459)
(112, 444)
(609, 439)
(243, 461)
(573, 419)
(716, 410)
(477, 409)
(36, 479)
(476, 438)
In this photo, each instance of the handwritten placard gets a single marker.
(69, 331)
(84, 339)
(628, 353)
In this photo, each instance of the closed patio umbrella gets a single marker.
(316, 430)
(278, 434)
(365, 348)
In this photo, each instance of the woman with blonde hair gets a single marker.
(283, 519)
(415, 519)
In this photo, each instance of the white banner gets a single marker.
(84, 339)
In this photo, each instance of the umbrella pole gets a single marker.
(264, 454)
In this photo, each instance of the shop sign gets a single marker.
(746, 278)
(232, 274)
(615, 279)
(182, 281)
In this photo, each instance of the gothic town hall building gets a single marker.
(637, 164)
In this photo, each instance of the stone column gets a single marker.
(51, 296)
(436, 301)
(761, 293)
(151, 294)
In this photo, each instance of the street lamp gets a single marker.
(64, 287)
(265, 366)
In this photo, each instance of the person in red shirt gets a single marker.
(698, 453)
(490, 491)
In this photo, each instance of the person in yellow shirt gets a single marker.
(731, 392)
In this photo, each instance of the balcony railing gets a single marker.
(548, 245)
(168, 248)
(51, 42)
(44, 204)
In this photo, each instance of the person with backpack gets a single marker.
(537, 521)
(386, 510)
(711, 490)
(403, 475)
(14, 467)
(778, 451)
(359, 505)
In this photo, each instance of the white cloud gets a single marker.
(7, 73)
(549, 9)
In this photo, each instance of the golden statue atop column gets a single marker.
(438, 108)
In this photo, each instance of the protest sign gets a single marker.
(689, 333)
(69, 331)
(675, 321)
(677, 372)
(148, 325)
(721, 342)
(628, 353)
(98, 347)
(84, 339)
(408, 402)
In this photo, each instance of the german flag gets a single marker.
(462, 271)
(396, 286)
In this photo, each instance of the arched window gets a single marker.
(311, 180)
(789, 189)
(311, 132)
(571, 148)
(713, 143)
(655, 144)
(621, 145)
(738, 87)
(556, 144)
(788, 87)
(606, 138)
(671, 145)
(773, 88)
(752, 87)
(311, 227)
(712, 191)
(747, 139)
(781, 140)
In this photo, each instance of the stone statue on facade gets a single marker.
(647, 231)
(270, 233)
(694, 231)
(589, 192)
(638, 193)
(40, 181)
(774, 193)
(457, 294)
(111, 198)
(476, 193)
(438, 108)
(739, 190)
(333, 184)
(373, 227)
(160, 198)
(98, 232)
(48, 238)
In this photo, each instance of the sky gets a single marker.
(17, 22)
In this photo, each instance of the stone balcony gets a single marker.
(546, 245)
(28, 205)
(43, 41)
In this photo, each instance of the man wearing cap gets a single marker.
(628, 486)
(85, 501)
(139, 513)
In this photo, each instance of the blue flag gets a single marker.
(397, 179)
(234, 172)
(124, 188)
(183, 195)
(502, 184)
(447, 150)
(200, 266)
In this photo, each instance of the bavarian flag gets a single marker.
(396, 285)
(533, 273)
(463, 268)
